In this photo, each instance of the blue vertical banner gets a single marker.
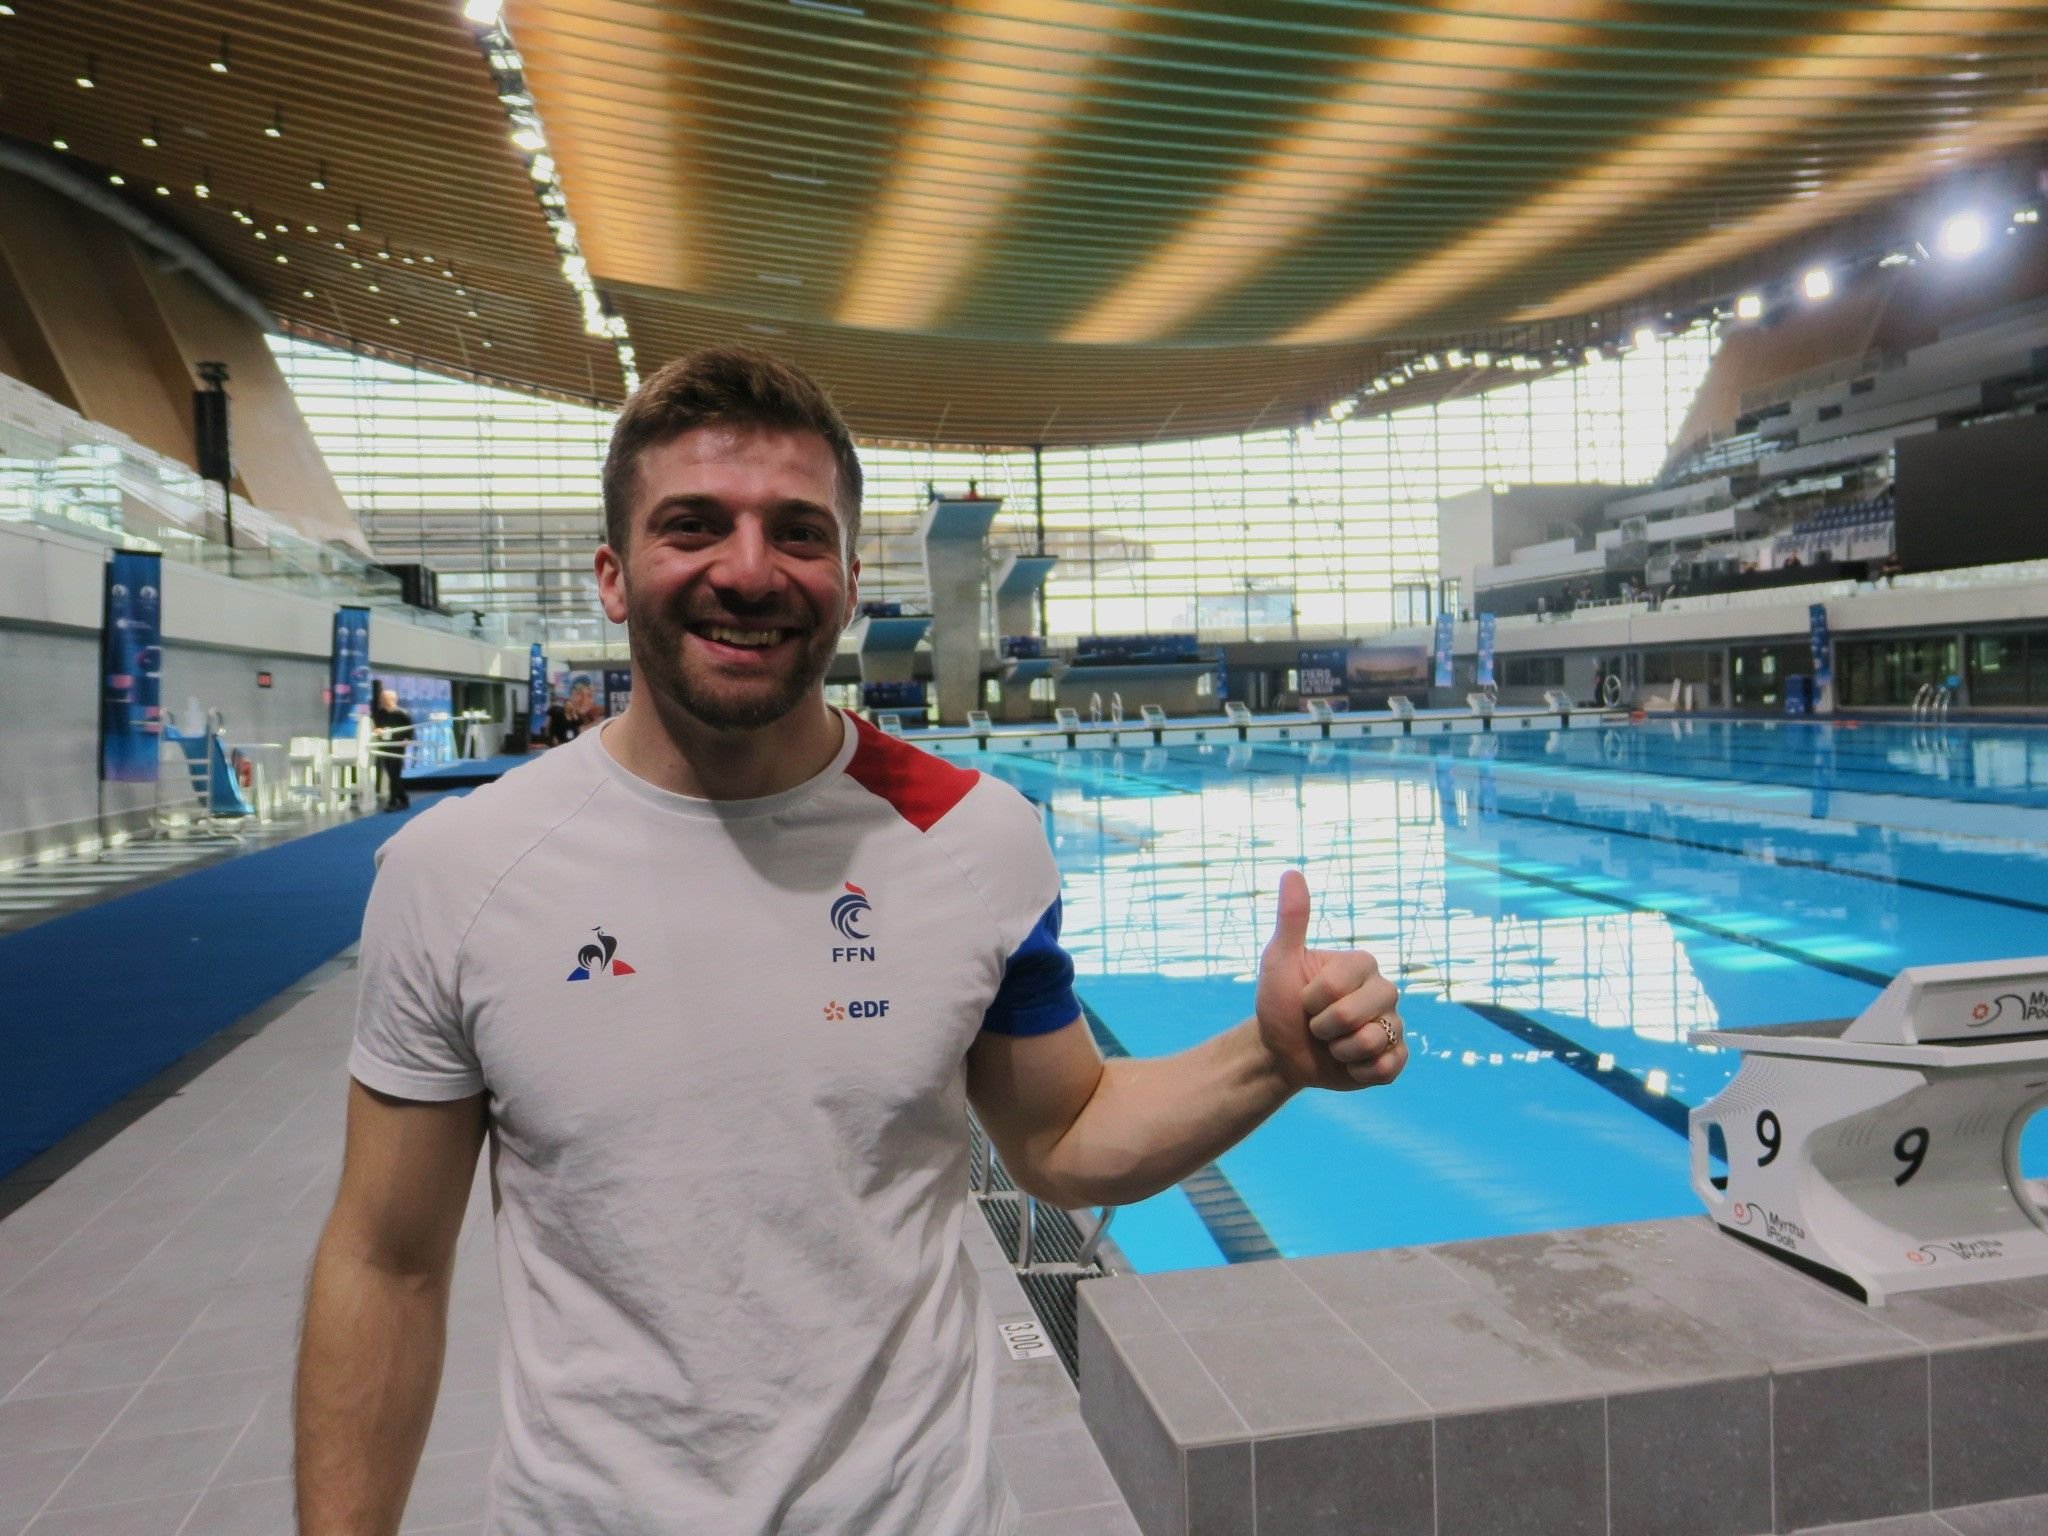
(618, 690)
(1443, 651)
(1222, 678)
(537, 693)
(1485, 678)
(348, 672)
(1817, 633)
(131, 666)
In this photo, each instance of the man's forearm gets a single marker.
(369, 1371)
(1150, 1123)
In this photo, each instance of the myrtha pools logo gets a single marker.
(599, 959)
(2010, 1005)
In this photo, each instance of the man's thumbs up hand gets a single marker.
(1326, 1016)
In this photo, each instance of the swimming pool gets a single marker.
(1560, 908)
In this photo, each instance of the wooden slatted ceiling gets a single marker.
(1000, 221)
(392, 99)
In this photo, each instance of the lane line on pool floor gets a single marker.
(1232, 1225)
(1673, 1114)
(1842, 968)
(2019, 903)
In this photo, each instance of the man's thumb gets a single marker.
(1290, 932)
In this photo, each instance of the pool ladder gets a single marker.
(1037, 1224)
(1931, 703)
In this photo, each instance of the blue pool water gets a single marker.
(1560, 910)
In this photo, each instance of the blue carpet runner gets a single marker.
(95, 1003)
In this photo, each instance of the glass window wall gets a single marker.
(1320, 531)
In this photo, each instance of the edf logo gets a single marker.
(859, 1008)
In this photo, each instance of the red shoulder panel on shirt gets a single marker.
(921, 787)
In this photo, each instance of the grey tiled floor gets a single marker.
(149, 1301)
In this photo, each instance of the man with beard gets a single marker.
(719, 980)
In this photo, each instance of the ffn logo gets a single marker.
(847, 913)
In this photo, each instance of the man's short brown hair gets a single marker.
(723, 387)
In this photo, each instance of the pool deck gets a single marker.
(1654, 1379)
(152, 1271)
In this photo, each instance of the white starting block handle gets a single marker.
(1875, 1177)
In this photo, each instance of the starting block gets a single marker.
(1881, 1153)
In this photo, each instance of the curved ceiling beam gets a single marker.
(1388, 112)
(905, 277)
(39, 165)
(1886, 177)
(1882, 45)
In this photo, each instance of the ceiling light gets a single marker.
(483, 12)
(276, 128)
(1961, 235)
(1646, 337)
(530, 139)
(375, 289)
(319, 181)
(117, 180)
(488, 342)
(355, 266)
(305, 293)
(6, 10)
(58, 142)
(355, 225)
(312, 229)
(394, 319)
(1817, 284)
(1592, 356)
(200, 188)
(220, 60)
(1749, 307)
(85, 75)
(284, 229)
(149, 139)
(163, 191)
(261, 236)
(282, 259)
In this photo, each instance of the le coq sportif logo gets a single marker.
(599, 958)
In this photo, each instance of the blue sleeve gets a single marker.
(1036, 995)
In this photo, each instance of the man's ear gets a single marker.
(852, 590)
(611, 583)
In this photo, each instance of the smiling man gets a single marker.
(718, 981)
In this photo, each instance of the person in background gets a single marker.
(391, 732)
(583, 710)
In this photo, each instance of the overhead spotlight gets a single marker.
(319, 181)
(282, 260)
(151, 139)
(116, 179)
(355, 225)
(305, 293)
(200, 188)
(276, 128)
(482, 12)
(394, 319)
(6, 10)
(59, 142)
(1961, 235)
(283, 229)
(163, 191)
(532, 140)
(375, 289)
(1817, 284)
(1750, 307)
(1482, 359)
(1646, 337)
(84, 76)
(220, 60)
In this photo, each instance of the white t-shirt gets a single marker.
(724, 1045)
